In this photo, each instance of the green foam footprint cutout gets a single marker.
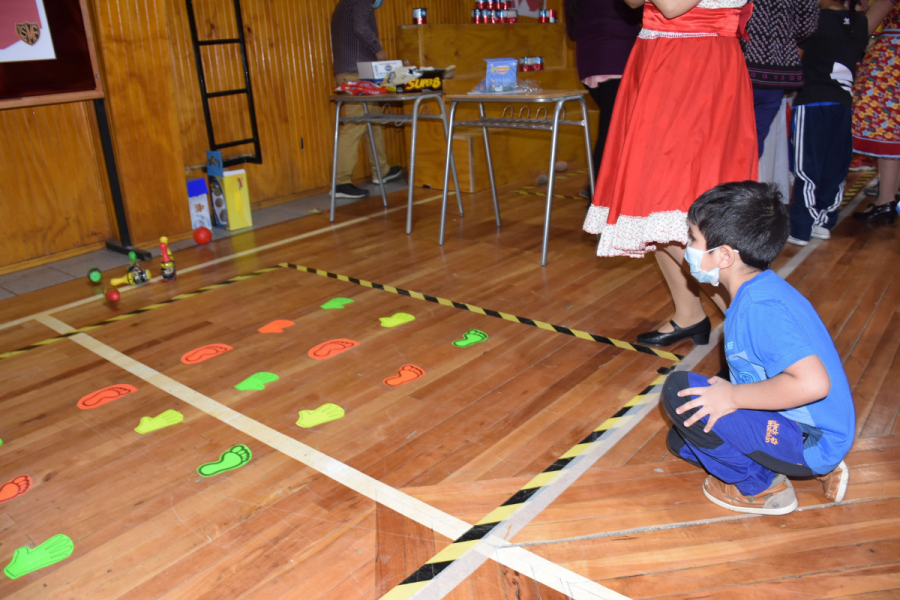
(26, 560)
(257, 381)
(472, 337)
(397, 319)
(323, 414)
(233, 458)
(336, 303)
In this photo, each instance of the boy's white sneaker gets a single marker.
(821, 233)
(835, 483)
(797, 242)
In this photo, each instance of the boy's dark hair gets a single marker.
(746, 215)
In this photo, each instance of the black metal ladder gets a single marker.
(256, 157)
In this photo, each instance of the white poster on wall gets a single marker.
(24, 32)
(529, 8)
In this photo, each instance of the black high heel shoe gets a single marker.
(698, 333)
(874, 211)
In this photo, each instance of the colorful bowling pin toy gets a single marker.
(167, 267)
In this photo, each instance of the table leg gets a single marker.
(550, 180)
(375, 155)
(447, 172)
(452, 159)
(490, 166)
(587, 144)
(334, 160)
(412, 166)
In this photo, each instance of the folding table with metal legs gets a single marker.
(387, 118)
(559, 98)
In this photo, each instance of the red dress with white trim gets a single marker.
(683, 123)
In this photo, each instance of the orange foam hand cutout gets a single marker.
(276, 326)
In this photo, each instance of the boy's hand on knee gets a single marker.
(714, 401)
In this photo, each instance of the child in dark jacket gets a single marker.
(823, 144)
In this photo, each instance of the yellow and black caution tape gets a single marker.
(851, 191)
(485, 526)
(560, 196)
(584, 335)
(138, 311)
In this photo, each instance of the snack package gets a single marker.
(361, 88)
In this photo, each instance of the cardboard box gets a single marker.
(198, 203)
(231, 200)
(377, 70)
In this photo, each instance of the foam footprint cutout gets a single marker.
(26, 560)
(323, 414)
(397, 319)
(331, 348)
(405, 374)
(336, 303)
(257, 381)
(15, 487)
(105, 396)
(276, 326)
(160, 421)
(205, 353)
(233, 458)
(472, 337)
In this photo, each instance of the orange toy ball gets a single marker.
(202, 235)
(112, 295)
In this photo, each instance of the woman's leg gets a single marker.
(685, 289)
(889, 180)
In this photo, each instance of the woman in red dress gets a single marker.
(683, 123)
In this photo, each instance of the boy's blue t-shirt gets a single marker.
(769, 327)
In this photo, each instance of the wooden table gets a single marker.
(385, 118)
(548, 97)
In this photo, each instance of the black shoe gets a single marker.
(392, 174)
(348, 190)
(874, 211)
(699, 333)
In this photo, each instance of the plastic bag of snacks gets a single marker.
(361, 88)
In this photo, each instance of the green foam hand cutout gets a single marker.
(26, 560)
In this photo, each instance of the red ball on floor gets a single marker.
(202, 235)
(113, 295)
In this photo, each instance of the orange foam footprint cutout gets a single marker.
(105, 396)
(331, 348)
(205, 353)
(15, 487)
(276, 326)
(406, 374)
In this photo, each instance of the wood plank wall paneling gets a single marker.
(53, 178)
(51, 194)
(289, 54)
(137, 61)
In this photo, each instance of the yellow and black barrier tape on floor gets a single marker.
(485, 526)
(851, 191)
(128, 315)
(584, 335)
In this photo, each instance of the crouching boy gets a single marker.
(787, 411)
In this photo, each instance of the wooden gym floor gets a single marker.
(350, 508)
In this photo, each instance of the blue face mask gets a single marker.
(377, 3)
(693, 256)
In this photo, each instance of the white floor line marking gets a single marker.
(474, 557)
(552, 575)
(222, 259)
(683, 524)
